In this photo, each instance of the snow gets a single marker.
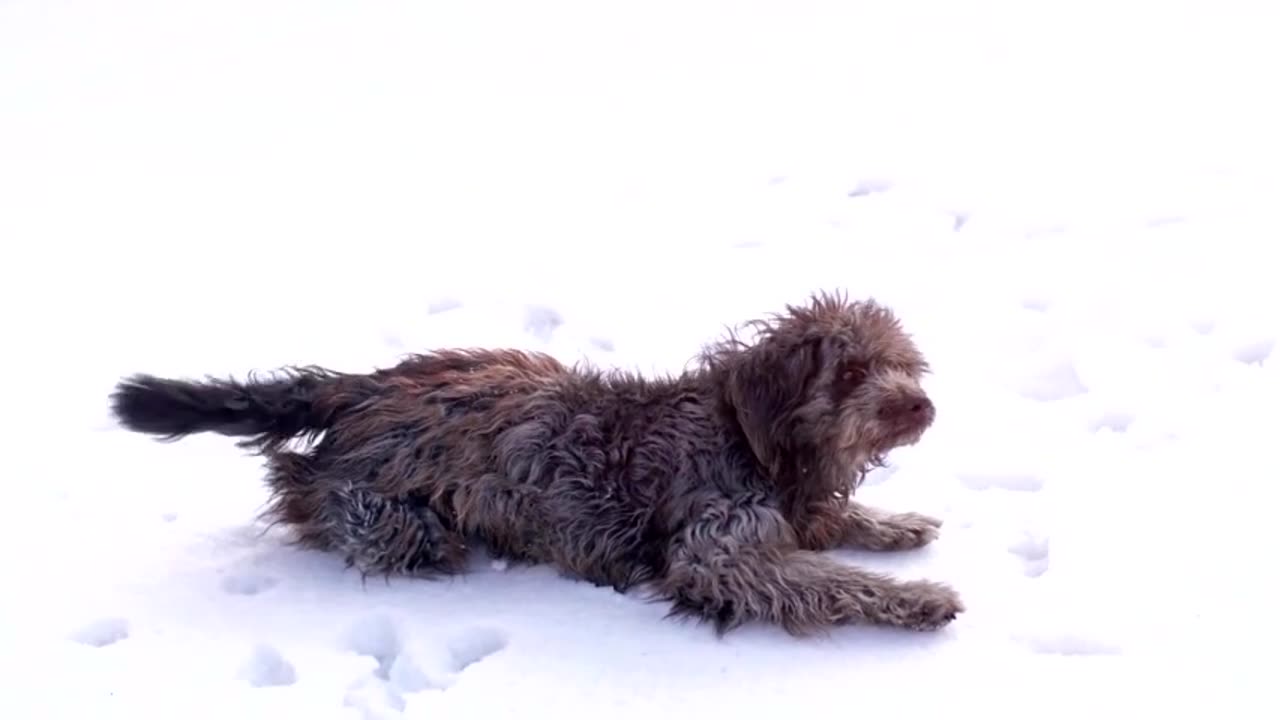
(266, 667)
(1071, 206)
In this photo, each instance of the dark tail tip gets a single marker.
(156, 406)
(277, 408)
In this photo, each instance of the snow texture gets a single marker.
(267, 668)
(1070, 205)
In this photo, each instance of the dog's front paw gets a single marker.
(926, 606)
(898, 531)
(912, 530)
(925, 519)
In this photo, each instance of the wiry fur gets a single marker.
(718, 488)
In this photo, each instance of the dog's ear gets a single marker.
(771, 387)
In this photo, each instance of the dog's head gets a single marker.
(833, 382)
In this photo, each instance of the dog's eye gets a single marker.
(850, 377)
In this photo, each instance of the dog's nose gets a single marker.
(912, 407)
(918, 405)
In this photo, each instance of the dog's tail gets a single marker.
(271, 411)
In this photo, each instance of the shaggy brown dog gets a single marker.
(717, 488)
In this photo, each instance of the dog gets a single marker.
(717, 489)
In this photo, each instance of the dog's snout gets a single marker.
(908, 407)
(919, 405)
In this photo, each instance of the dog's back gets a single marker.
(409, 461)
(543, 462)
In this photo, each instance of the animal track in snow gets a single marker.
(1255, 352)
(373, 699)
(870, 186)
(445, 304)
(1114, 420)
(1015, 483)
(381, 694)
(1067, 643)
(1036, 303)
(541, 321)
(1033, 550)
(102, 632)
(399, 673)
(266, 667)
(472, 646)
(1155, 340)
(407, 676)
(375, 636)
(169, 516)
(247, 583)
(1056, 382)
(604, 344)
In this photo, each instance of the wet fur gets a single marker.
(717, 489)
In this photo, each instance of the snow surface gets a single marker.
(1071, 205)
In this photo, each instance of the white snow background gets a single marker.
(1072, 206)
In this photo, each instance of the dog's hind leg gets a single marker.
(386, 536)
